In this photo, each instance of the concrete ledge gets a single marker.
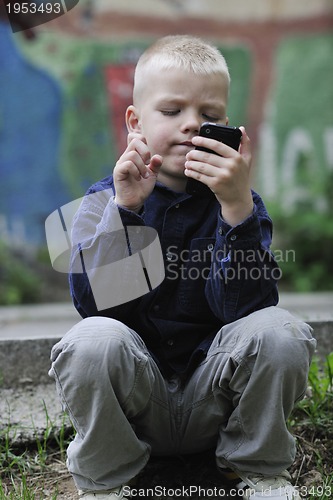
(27, 411)
(323, 332)
(25, 361)
(28, 333)
(316, 309)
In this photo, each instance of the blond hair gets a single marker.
(180, 51)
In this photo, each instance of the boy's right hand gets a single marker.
(135, 173)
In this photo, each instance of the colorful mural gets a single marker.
(62, 104)
(70, 131)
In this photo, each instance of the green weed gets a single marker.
(26, 473)
(312, 424)
(316, 408)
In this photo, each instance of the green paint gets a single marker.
(299, 123)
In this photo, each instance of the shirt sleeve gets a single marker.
(244, 272)
(100, 244)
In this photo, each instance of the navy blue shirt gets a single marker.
(214, 273)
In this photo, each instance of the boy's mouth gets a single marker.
(187, 144)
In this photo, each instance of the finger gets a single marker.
(135, 135)
(131, 163)
(219, 148)
(137, 144)
(124, 170)
(204, 157)
(155, 164)
(245, 146)
(197, 169)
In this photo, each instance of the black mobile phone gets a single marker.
(231, 136)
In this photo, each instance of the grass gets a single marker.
(37, 471)
(34, 471)
(312, 424)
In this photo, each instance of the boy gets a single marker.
(204, 359)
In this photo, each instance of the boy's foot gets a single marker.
(114, 494)
(279, 487)
(257, 487)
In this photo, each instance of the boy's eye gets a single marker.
(170, 112)
(210, 118)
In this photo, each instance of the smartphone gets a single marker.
(231, 136)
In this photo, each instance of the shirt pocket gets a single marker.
(195, 270)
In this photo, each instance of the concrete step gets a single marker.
(29, 411)
(27, 333)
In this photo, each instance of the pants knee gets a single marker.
(286, 342)
(93, 348)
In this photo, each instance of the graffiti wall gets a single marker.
(296, 138)
(62, 103)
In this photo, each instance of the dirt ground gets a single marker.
(174, 474)
(171, 475)
(314, 462)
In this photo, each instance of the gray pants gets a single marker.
(237, 400)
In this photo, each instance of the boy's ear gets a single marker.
(132, 119)
(227, 120)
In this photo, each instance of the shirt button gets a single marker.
(169, 256)
(177, 206)
(170, 342)
(220, 230)
(210, 247)
(233, 237)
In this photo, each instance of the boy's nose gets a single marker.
(191, 123)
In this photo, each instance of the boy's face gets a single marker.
(169, 113)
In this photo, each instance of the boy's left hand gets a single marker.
(227, 175)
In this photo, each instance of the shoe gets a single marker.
(114, 494)
(230, 478)
(257, 487)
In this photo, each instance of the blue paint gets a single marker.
(30, 133)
